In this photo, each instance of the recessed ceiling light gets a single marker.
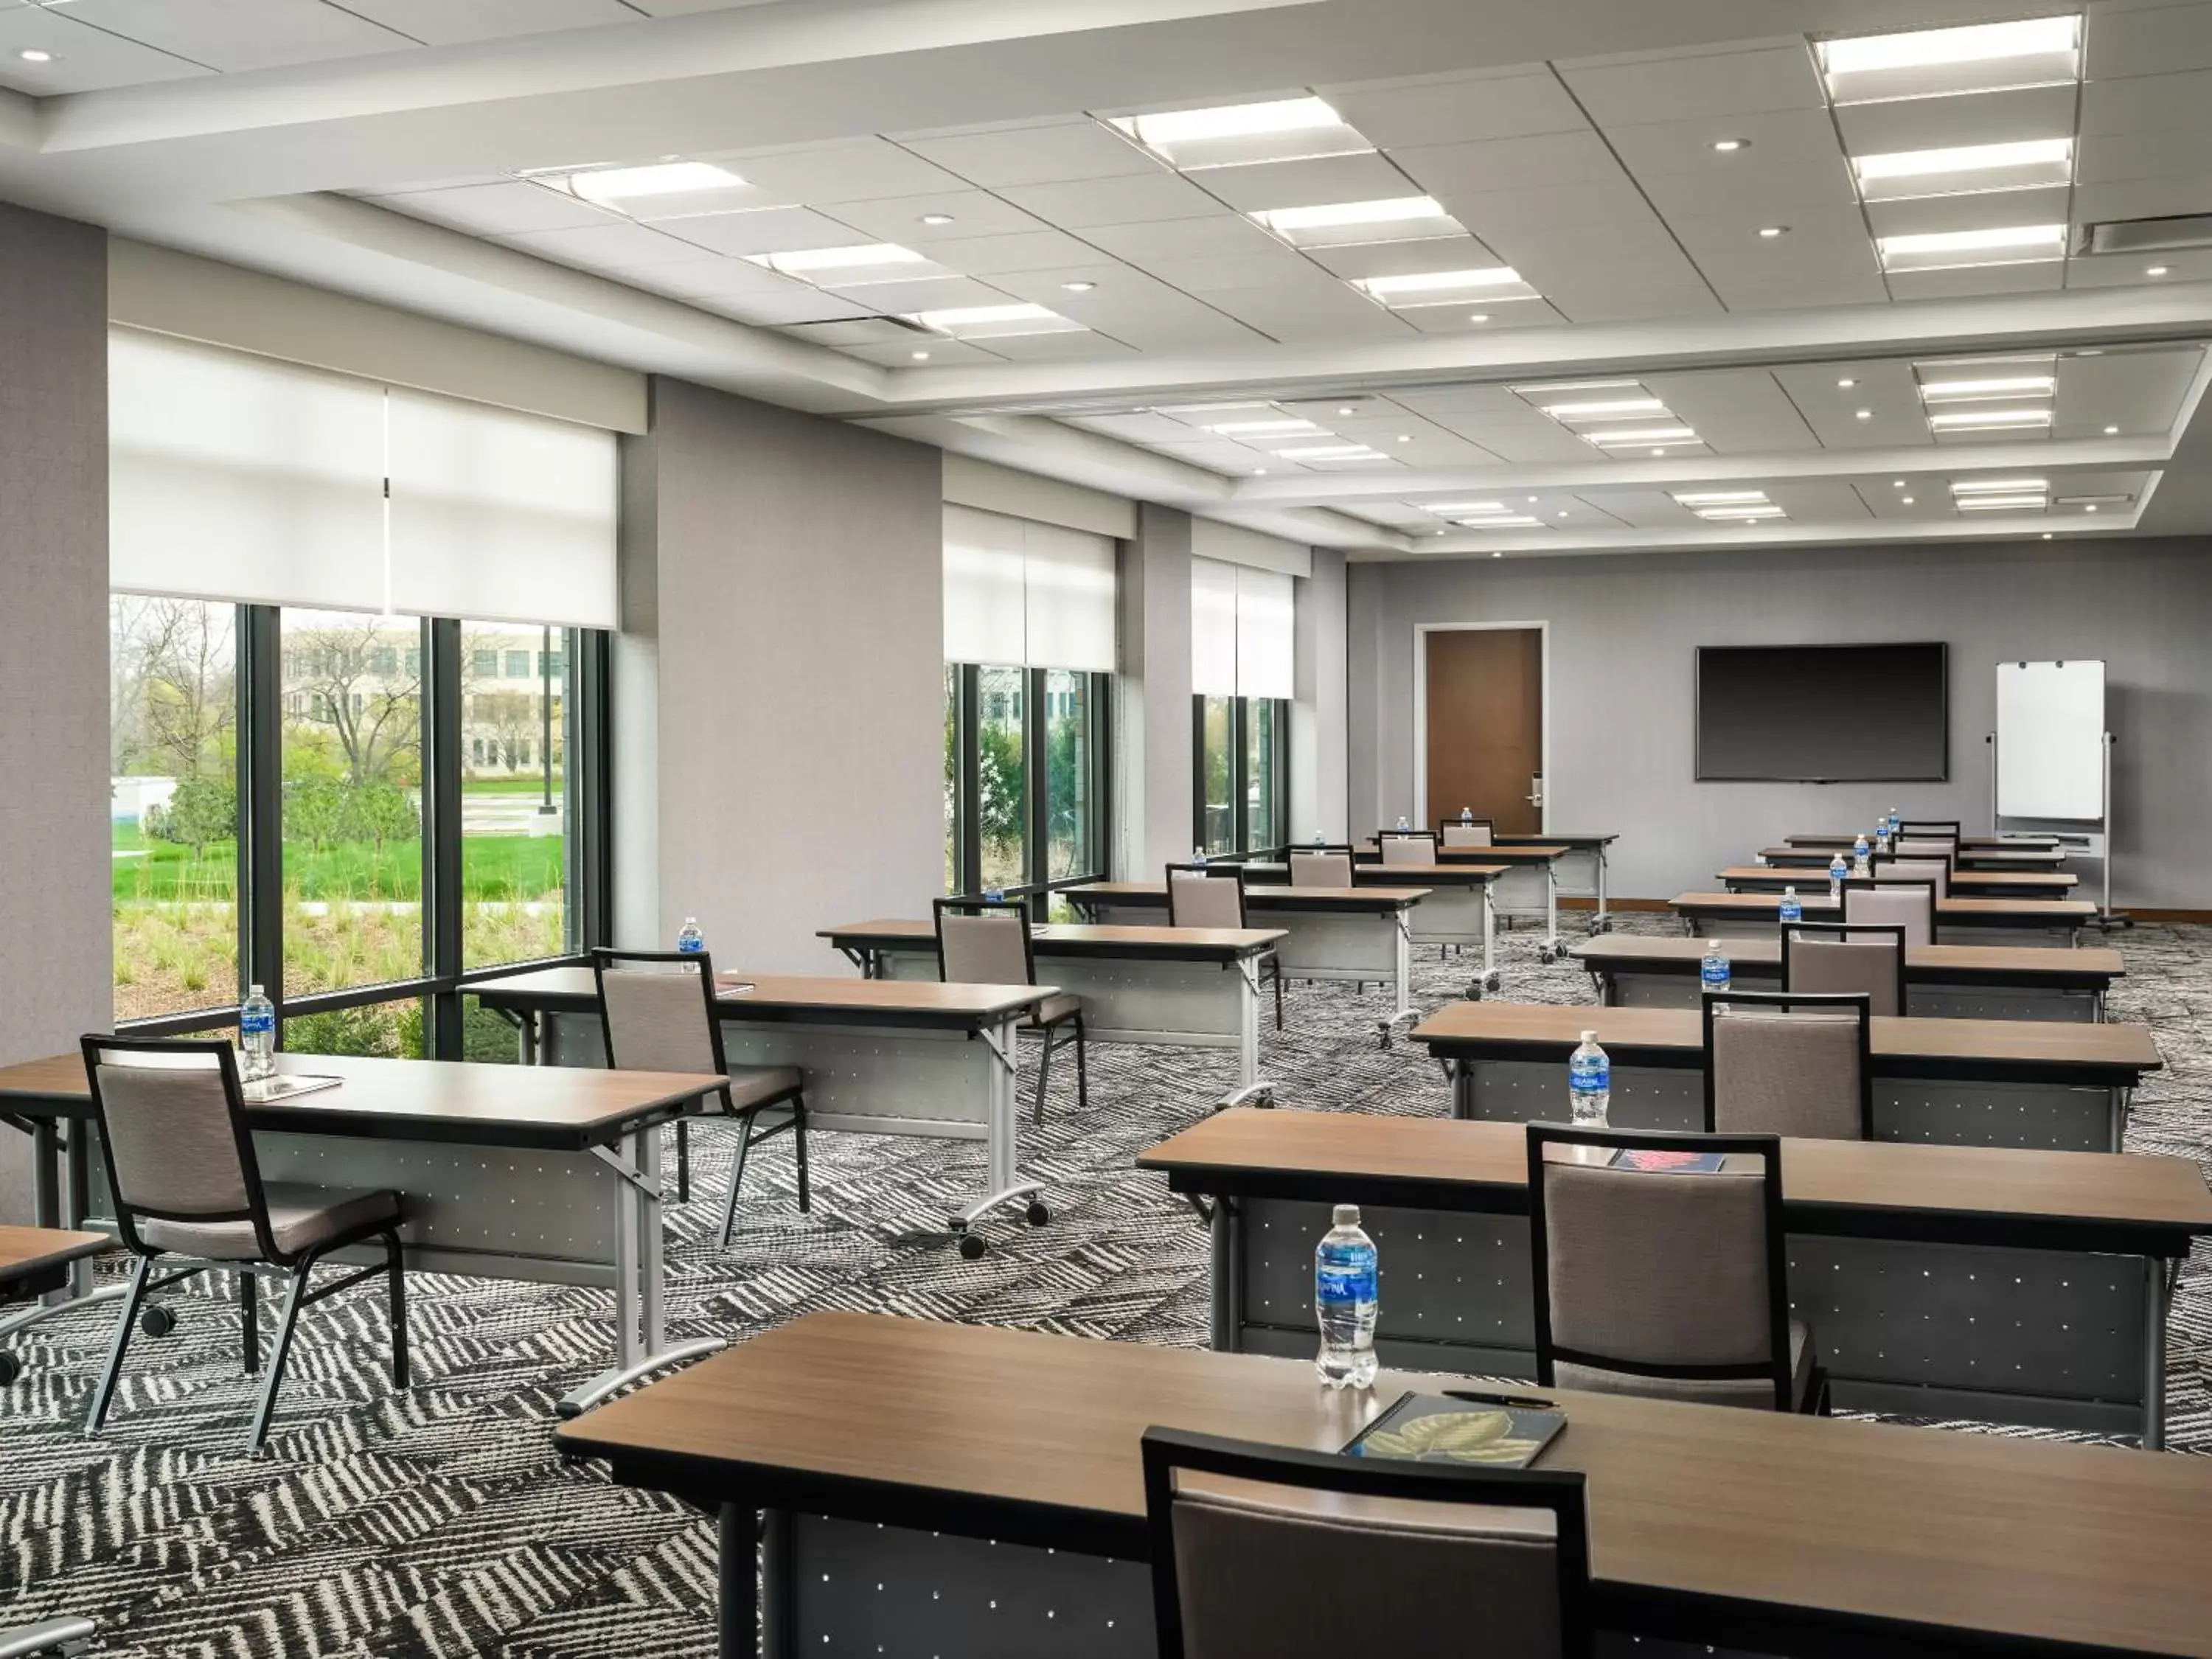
(1331, 452)
(1440, 532)
(1989, 419)
(1467, 507)
(1510, 521)
(1902, 175)
(32, 55)
(1730, 146)
(1747, 513)
(2047, 535)
(1605, 409)
(995, 322)
(1498, 553)
(1998, 486)
(1416, 216)
(2154, 271)
(1659, 451)
(1231, 120)
(1344, 409)
(1259, 472)
(921, 356)
(1897, 483)
(2000, 504)
(1240, 135)
(1078, 288)
(1768, 232)
(2000, 244)
(2111, 432)
(1720, 497)
(1643, 434)
(1405, 437)
(1532, 500)
(803, 262)
(1561, 513)
(1907, 500)
(1478, 317)
(2001, 386)
(1981, 42)
(1438, 288)
(1261, 428)
(1847, 384)
(1862, 414)
(613, 185)
(2090, 508)
(937, 218)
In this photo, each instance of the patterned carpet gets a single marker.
(441, 1524)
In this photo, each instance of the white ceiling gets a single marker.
(388, 148)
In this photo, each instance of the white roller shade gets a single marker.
(984, 612)
(1068, 578)
(501, 517)
(1212, 628)
(1024, 593)
(1266, 636)
(241, 478)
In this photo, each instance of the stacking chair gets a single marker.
(1949, 829)
(1910, 904)
(1944, 848)
(1866, 959)
(1468, 832)
(1212, 895)
(1408, 846)
(186, 1183)
(1325, 866)
(1270, 1552)
(1887, 868)
(986, 942)
(1790, 1063)
(1665, 1284)
(656, 1009)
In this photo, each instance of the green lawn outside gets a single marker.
(492, 867)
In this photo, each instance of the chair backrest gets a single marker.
(1940, 829)
(1925, 847)
(1866, 959)
(1205, 896)
(1321, 866)
(1888, 868)
(1408, 846)
(657, 1011)
(1674, 1281)
(1910, 905)
(1254, 1547)
(1468, 832)
(173, 1132)
(1790, 1063)
(983, 942)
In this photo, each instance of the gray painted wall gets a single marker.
(1623, 634)
(1152, 812)
(1317, 716)
(797, 597)
(55, 944)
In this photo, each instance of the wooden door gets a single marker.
(1485, 724)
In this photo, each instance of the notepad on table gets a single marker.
(1660, 1161)
(264, 1090)
(1426, 1428)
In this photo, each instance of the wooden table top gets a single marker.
(545, 1106)
(1364, 895)
(28, 1253)
(1976, 963)
(1899, 1046)
(1569, 838)
(803, 998)
(1831, 838)
(1730, 1512)
(1958, 910)
(1989, 1194)
(2054, 881)
(2029, 857)
(1368, 877)
(1498, 852)
(1077, 939)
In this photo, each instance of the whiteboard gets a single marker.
(2051, 740)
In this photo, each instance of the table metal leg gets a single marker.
(1604, 922)
(737, 1613)
(2154, 1388)
(1004, 1184)
(1402, 970)
(1551, 911)
(1227, 1243)
(1250, 1088)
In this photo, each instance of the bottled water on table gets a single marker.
(1836, 871)
(1893, 821)
(689, 939)
(1467, 814)
(1344, 1302)
(1713, 970)
(257, 1037)
(1198, 855)
(1793, 907)
(1859, 856)
(994, 895)
(1404, 823)
(1590, 1083)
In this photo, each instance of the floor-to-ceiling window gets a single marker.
(1241, 678)
(334, 780)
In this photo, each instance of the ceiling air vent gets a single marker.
(2181, 230)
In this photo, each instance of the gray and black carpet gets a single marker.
(440, 1523)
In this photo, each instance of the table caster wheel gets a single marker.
(10, 1369)
(1546, 955)
(157, 1322)
(972, 1245)
(1492, 981)
(1474, 990)
(1036, 1213)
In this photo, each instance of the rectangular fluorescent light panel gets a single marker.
(1240, 135)
(1643, 434)
(1904, 175)
(1448, 508)
(616, 185)
(1331, 452)
(1988, 420)
(2001, 504)
(815, 264)
(2032, 52)
(996, 322)
(1998, 486)
(1261, 428)
(1444, 287)
(1510, 521)
(1348, 224)
(1753, 511)
(1605, 409)
(1946, 250)
(1999, 386)
(1555, 387)
(1720, 497)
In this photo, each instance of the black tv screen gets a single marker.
(1822, 713)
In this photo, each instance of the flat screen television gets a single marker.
(1823, 713)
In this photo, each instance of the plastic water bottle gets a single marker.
(1318, 842)
(1793, 907)
(1198, 855)
(689, 939)
(1859, 856)
(1713, 968)
(1466, 815)
(1882, 836)
(1590, 1083)
(1344, 1302)
(257, 1037)
(993, 893)
(1836, 871)
(1893, 821)
(1404, 823)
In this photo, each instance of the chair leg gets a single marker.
(1278, 996)
(249, 1320)
(682, 1160)
(798, 1137)
(1044, 1073)
(278, 1351)
(737, 1177)
(125, 1320)
(1082, 1068)
(397, 1267)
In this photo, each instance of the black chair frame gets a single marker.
(1271, 965)
(1561, 1493)
(1055, 1038)
(1930, 829)
(1769, 1148)
(293, 1267)
(750, 1136)
(1842, 933)
(1786, 999)
(1867, 884)
(1433, 837)
(1443, 824)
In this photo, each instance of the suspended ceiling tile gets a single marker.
(804, 305)
(2138, 391)
(1242, 270)
(2104, 158)
(2151, 40)
(871, 169)
(994, 256)
(2124, 269)
(1213, 235)
(1405, 259)
(1983, 117)
(616, 246)
(2044, 277)
(1989, 210)
(1769, 195)
(1738, 412)
(449, 22)
(1447, 109)
(1545, 160)
(766, 230)
(84, 59)
(903, 219)
(1138, 198)
(1678, 88)
(1461, 319)
(234, 35)
(2147, 103)
(1321, 181)
(902, 353)
(709, 275)
(934, 294)
(1052, 153)
(1782, 139)
(497, 209)
(2143, 198)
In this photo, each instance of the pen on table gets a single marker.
(1515, 1401)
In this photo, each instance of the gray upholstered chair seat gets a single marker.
(1755, 1392)
(1059, 1006)
(754, 1085)
(300, 1218)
